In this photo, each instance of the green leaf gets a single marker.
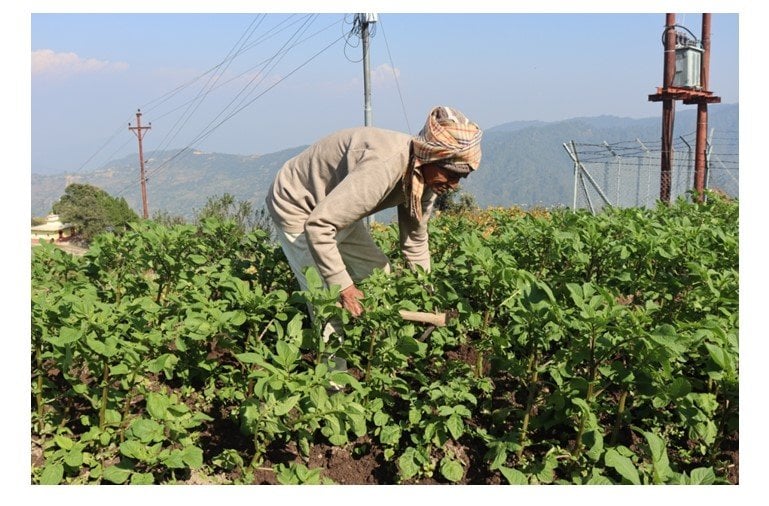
(456, 426)
(119, 369)
(74, 458)
(66, 336)
(174, 460)
(249, 358)
(358, 423)
(313, 279)
(116, 474)
(142, 479)
(157, 405)
(52, 474)
(146, 430)
(198, 259)
(703, 476)
(286, 405)
(193, 457)
(623, 465)
(294, 327)
(134, 449)
(659, 454)
(390, 435)
(380, 418)
(318, 396)
(593, 440)
(666, 336)
(720, 356)
(451, 469)
(680, 387)
(407, 465)
(95, 344)
(234, 318)
(513, 476)
(63, 442)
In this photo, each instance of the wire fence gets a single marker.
(627, 173)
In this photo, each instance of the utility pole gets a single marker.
(365, 20)
(685, 77)
(668, 107)
(702, 113)
(139, 130)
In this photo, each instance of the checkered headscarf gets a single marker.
(448, 136)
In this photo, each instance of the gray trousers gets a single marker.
(359, 253)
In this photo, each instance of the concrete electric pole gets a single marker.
(365, 20)
(139, 130)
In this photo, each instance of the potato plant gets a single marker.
(584, 350)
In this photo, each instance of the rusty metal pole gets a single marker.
(702, 113)
(139, 131)
(668, 107)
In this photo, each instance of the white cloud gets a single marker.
(384, 74)
(46, 62)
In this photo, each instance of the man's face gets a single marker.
(438, 179)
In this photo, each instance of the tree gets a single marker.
(167, 219)
(445, 202)
(225, 208)
(93, 211)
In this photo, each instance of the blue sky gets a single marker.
(91, 72)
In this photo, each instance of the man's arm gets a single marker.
(413, 235)
(352, 200)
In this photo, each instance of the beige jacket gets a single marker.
(341, 179)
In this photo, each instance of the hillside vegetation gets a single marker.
(524, 164)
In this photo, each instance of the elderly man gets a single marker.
(320, 198)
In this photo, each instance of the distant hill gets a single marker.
(524, 164)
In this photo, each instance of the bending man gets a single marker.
(320, 198)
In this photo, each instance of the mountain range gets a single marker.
(524, 164)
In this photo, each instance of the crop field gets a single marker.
(581, 350)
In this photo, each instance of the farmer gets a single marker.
(319, 198)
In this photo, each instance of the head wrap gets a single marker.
(449, 137)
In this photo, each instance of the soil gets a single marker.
(360, 462)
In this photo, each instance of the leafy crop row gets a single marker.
(585, 349)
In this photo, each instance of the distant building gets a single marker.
(52, 230)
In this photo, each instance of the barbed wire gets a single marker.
(627, 173)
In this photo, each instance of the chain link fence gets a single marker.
(627, 173)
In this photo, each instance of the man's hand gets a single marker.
(349, 298)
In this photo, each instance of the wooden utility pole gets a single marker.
(690, 90)
(702, 113)
(139, 130)
(668, 107)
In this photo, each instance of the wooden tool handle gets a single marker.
(437, 319)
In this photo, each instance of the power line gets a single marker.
(203, 93)
(205, 134)
(395, 76)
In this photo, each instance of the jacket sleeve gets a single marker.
(413, 234)
(356, 196)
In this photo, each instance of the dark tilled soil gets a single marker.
(360, 462)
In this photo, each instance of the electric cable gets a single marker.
(395, 76)
(212, 129)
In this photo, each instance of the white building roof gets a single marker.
(52, 224)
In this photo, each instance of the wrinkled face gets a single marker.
(438, 179)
